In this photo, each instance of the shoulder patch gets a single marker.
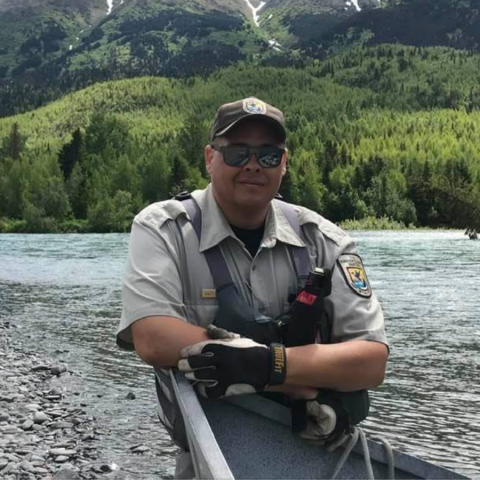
(354, 273)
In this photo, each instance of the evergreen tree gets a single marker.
(15, 143)
(71, 153)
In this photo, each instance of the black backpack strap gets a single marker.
(214, 256)
(301, 258)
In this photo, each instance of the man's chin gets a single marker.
(251, 200)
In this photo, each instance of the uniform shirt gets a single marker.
(167, 275)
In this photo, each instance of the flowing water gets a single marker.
(63, 294)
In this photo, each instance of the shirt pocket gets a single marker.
(200, 301)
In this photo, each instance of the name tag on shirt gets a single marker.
(209, 293)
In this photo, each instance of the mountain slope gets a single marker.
(35, 31)
(139, 37)
(453, 23)
(49, 47)
(292, 22)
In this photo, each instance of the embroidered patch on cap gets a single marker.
(354, 273)
(252, 105)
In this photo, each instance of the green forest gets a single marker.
(388, 131)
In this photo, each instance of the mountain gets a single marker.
(171, 37)
(49, 47)
(32, 31)
(71, 35)
(294, 22)
(421, 23)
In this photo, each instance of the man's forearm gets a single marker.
(159, 340)
(347, 366)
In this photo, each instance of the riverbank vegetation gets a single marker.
(358, 148)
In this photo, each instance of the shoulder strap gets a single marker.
(301, 258)
(214, 256)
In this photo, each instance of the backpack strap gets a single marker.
(214, 256)
(300, 256)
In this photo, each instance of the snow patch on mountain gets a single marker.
(356, 5)
(275, 45)
(255, 11)
(109, 6)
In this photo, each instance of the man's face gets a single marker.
(250, 186)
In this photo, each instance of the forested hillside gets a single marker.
(389, 131)
(58, 53)
(49, 48)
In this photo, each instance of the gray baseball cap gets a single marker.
(230, 114)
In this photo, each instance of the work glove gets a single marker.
(327, 422)
(217, 333)
(221, 368)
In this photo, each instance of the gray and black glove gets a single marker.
(327, 420)
(222, 368)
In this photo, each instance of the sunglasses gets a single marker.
(239, 155)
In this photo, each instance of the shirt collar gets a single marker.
(215, 227)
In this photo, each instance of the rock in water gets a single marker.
(58, 369)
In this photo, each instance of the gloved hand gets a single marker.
(327, 422)
(265, 333)
(217, 333)
(237, 366)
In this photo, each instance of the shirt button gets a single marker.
(261, 309)
(254, 267)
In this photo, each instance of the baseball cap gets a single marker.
(230, 114)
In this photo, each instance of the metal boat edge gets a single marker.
(209, 459)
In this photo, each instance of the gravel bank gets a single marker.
(45, 432)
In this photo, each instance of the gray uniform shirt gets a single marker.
(167, 274)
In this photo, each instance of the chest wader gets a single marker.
(303, 323)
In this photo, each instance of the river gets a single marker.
(62, 292)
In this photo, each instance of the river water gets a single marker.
(62, 292)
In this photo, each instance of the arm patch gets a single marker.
(354, 273)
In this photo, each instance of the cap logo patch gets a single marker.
(252, 105)
(354, 273)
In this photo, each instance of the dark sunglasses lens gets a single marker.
(270, 157)
(236, 156)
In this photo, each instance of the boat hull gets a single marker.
(250, 437)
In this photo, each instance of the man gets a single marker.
(169, 291)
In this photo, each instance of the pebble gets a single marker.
(27, 425)
(4, 417)
(61, 458)
(58, 369)
(62, 451)
(27, 466)
(44, 431)
(66, 474)
(140, 449)
(40, 417)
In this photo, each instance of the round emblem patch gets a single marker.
(252, 105)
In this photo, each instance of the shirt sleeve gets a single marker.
(151, 284)
(353, 314)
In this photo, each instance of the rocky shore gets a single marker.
(45, 432)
